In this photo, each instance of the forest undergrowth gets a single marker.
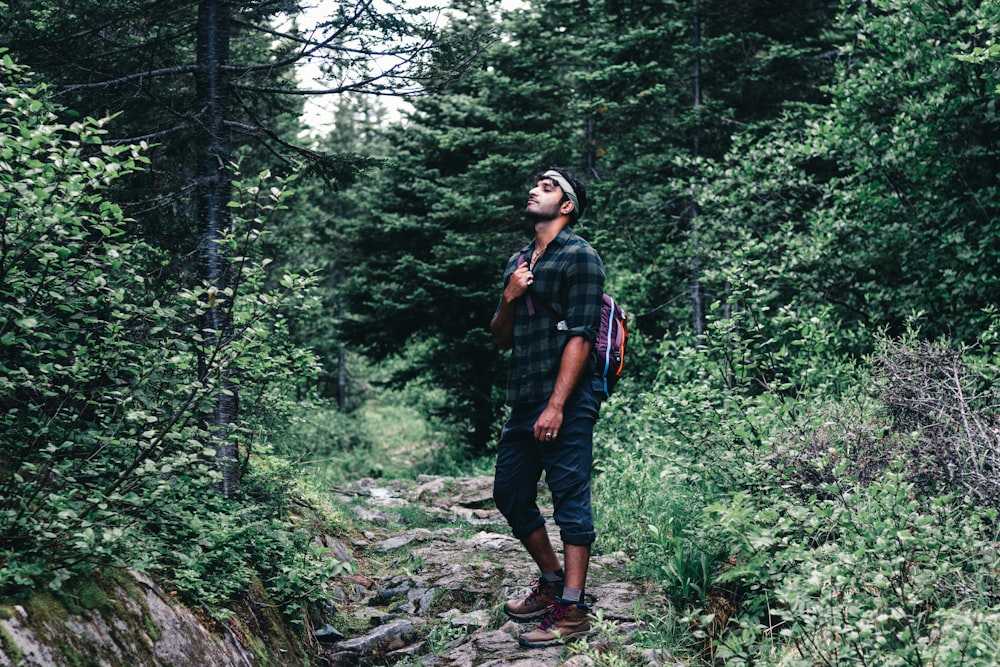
(844, 515)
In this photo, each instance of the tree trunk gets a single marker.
(213, 194)
(341, 353)
(697, 306)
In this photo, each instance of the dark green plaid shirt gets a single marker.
(569, 284)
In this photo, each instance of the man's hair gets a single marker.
(579, 188)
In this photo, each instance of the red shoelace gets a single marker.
(555, 613)
(536, 589)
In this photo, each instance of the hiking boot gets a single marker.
(538, 600)
(564, 620)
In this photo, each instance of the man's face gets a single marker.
(544, 200)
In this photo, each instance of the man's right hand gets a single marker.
(519, 282)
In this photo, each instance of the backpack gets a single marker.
(612, 336)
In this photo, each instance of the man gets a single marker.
(548, 315)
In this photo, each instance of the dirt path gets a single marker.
(436, 598)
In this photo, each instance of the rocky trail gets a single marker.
(438, 600)
(432, 563)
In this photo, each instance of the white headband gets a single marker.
(566, 188)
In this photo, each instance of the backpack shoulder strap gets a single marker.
(530, 302)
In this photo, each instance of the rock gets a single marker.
(475, 619)
(398, 586)
(328, 634)
(342, 659)
(375, 516)
(494, 542)
(469, 492)
(418, 601)
(383, 639)
(146, 628)
(337, 596)
(371, 488)
(630, 628)
(375, 618)
(360, 580)
(496, 648)
(338, 549)
(399, 541)
(427, 489)
(656, 657)
(410, 651)
(381, 493)
(616, 599)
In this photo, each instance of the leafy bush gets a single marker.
(218, 548)
(889, 536)
(863, 576)
(649, 505)
(79, 426)
(104, 457)
(799, 507)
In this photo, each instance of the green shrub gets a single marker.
(105, 383)
(229, 545)
(649, 503)
(867, 575)
(78, 419)
(799, 507)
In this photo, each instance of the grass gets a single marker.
(384, 438)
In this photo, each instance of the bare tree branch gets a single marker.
(149, 137)
(129, 78)
(361, 9)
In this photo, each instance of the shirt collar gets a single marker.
(561, 239)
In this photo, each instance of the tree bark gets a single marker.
(213, 192)
(697, 305)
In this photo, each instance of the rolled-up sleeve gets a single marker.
(584, 293)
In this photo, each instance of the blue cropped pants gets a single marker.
(566, 462)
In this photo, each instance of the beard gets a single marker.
(533, 216)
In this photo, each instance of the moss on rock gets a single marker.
(10, 648)
(125, 620)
